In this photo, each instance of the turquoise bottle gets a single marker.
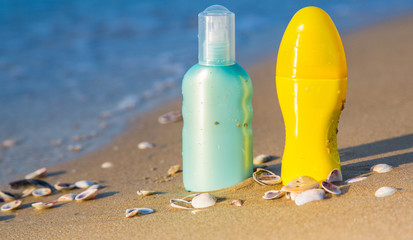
(217, 110)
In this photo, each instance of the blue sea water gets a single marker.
(76, 71)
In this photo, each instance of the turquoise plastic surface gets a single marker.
(217, 133)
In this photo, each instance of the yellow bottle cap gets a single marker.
(311, 48)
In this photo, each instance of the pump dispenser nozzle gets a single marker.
(216, 35)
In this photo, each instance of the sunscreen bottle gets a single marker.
(216, 109)
(311, 80)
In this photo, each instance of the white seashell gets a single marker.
(309, 196)
(84, 184)
(300, 184)
(64, 186)
(174, 169)
(9, 143)
(67, 197)
(331, 188)
(203, 200)
(107, 165)
(196, 211)
(87, 195)
(335, 176)
(237, 203)
(41, 205)
(39, 173)
(385, 191)
(11, 205)
(170, 117)
(273, 194)
(293, 195)
(357, 179)
(27, 192)
(146, 145)
(381, 168)
(40, 192)
(144, 192)
(180, 203)
(75, 148)
(7, 197)
(140, 211)
(95, 186)
(266, 177)
(56, 142)
(262, 158)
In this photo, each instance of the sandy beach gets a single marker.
(375, 127)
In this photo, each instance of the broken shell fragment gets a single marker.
(75, 148)
(84, 184)
(385, 191)
(39, 173)
(335, 176)
(180, 203)
(170, 117)
(87, 195)
(27, 192)
(64, 186)
(357, 179)
(140, 211)
(273, 194)
(203, 200)
(7, 197)
(11, 205)
(144, 192)
(174, 169)
(237, 203)
(262, 158)
(67, 197)
(106, 165)
(309, 196)
(300, 184)
(146, 145)
(40, 192)
(266, 177)
(381, 168)
(331, 188)
(42, 205)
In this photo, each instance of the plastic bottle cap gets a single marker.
(216, 35)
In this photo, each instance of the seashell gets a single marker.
(385, 191)
(309, 196)
(95, 186)
(335, 176)
(64, 186)
(42, 205)
(203, 200)
(39, 173)
(75, 148)
(174, 169)
(381, 168)
(87, 195)
(27, 183)
(293, 195)
(7, 197)
(353, 180)
(288, 195)
(145, 145)
(180, 203)
(331, 188)
(266, 177)
(196, 211)
(144, 192)
(11, 205)
(40, 192)
(27, 192)
(237, 203)
(300, 184)
(67, 197)
(262, 158)
(140, 211)
(170, 117)
(9, 143)
(107, 165)
(56, 142)
(84, 184)
(273, 194)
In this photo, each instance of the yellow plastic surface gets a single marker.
(311, 85)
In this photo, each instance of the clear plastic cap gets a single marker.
(216, 36)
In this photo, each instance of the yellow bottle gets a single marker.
(311, 82)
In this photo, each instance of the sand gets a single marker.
(375, 127)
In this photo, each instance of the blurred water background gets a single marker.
(74, 72)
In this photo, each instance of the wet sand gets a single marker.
(376, 127)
